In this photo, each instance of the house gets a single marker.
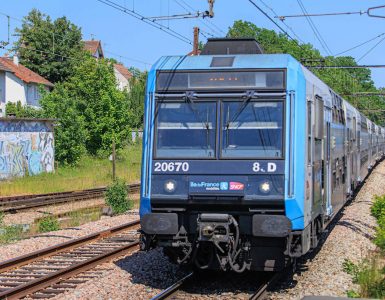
(19, 84)
(95, 48)
(122, 74)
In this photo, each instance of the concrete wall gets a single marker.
(26, 147)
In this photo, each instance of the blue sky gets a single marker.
(136, 43)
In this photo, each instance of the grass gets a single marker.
(369, 275)
(91, 172)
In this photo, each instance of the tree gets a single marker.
(342, 81)
(70, 134)
(91, 110)
(135, 98)
(49, 48)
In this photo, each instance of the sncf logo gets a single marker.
(236, 186)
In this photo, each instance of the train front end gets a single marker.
(218, 168)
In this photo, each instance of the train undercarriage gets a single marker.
(218, 241)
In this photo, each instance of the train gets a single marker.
(247, 157)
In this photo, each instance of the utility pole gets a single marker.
(196, 41)
(113, 160)
(211, 8)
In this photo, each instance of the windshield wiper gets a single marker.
(249, 96)
(192, 104)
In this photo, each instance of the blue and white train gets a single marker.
(246, 157)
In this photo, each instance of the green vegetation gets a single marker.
(47, 224)
(343, 81)
(91, 112)
(82, 216)
(59, 43)
(89, 173)
(370, 273)
(117, 197)
(9, 233)
(20, 111)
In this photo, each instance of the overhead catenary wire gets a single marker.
(314, 29)
(371, 49)
(144, 19)
(361, 44)
(56, 35)
(215, 30)
(283, 21)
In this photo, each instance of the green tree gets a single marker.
(342, 81)
(135, 98)
(70, 132)
(91, 110)
(49, 48)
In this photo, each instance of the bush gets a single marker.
(48, 224)
(117, 197)
(378, 207)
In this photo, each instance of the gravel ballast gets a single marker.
(48, 239)
(142, 275)
(350, 239)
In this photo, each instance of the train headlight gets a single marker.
(265, 187)
(170, 186)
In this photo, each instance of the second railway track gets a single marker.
(22, 202)
(45, 273)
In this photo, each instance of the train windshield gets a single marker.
(252, 129)
(186, 130)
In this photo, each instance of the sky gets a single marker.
(137, 44)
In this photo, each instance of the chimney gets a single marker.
(16, 60)
(196, 41)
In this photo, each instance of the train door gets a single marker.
(353, 144)
(348, 153)
(327, 165)
(318, 160)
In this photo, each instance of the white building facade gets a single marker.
(19, 84)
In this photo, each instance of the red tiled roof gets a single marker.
(22, 72)
(93, 46)
(123, 70)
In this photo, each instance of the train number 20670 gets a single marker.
(171, 166)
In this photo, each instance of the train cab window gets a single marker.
(186, 130)
(252, 130)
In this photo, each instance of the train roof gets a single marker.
(241, 61)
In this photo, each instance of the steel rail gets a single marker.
(55, 249)
(261, 292)
(173, 289)
(27, 287)
(12, 203)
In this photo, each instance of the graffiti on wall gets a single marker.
(26, 147)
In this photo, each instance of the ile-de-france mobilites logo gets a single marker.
(224, 186)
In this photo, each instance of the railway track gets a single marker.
(22, 202)
(48, 272)
(264, 284)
